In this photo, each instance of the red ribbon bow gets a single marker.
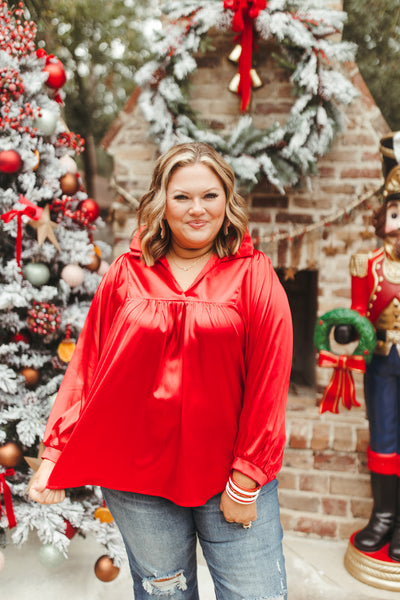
(245, 12)
(32, 210)
(341, 385)
(8, 506)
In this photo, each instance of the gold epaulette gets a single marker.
(359, 265)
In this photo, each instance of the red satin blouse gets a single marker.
(168, 390)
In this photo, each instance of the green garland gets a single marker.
(346, 316)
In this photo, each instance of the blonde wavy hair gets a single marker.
(154, 243)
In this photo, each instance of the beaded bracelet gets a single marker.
(240, 494)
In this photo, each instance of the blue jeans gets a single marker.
(160, 539)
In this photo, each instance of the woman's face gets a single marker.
(195, 206)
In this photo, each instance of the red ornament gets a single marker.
(57, 76)
(10, 161)
(90, 209)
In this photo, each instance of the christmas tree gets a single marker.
(50, 267)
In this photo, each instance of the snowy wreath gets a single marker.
(282, 153)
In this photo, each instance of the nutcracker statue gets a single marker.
(373, 555)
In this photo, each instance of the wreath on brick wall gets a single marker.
(282, 153)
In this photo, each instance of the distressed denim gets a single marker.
(160, 539)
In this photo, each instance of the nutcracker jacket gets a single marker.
(168, 390)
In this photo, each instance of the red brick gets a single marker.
(321, 436)
(326, 171)
(361, 507)
(293, 218)
(347, 485)
(317, 525)
(362, 440)
(300, 501)
(338, 188)
(344, 438)
(364, 173)
(314, 482)
(288, 480)
(299, 434)
(335, 461)
(335, 506)
(299, 459)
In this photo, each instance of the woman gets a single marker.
(174, 400)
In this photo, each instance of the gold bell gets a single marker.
(255, 79)
(234, 84)
(235, 54)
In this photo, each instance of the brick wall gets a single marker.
(324, 485)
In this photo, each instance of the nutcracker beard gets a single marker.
(392, 242)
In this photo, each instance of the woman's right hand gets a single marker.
(38, 490)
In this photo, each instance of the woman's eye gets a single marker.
(394, 215)
(211, 195)
(180, 197)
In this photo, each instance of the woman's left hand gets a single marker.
(237, 513)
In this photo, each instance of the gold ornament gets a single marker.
(65, 350)
(10, 455)
(235, 54)
(103, 514)
(32, 377)
(234, 84)
(45, 228)
(104, 569)
(255, 79)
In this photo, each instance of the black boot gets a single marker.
(381, 524)
(394, 547)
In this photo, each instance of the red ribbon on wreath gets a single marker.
(245, 13)
(32, 211)
(341, 385)
(8, 506)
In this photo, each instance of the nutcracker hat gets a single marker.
(390, 157)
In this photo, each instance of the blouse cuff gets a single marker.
(51, 454)
(252, 471)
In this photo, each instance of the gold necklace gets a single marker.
(193, 263)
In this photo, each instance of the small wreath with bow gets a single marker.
(282, 153)
(341, 386)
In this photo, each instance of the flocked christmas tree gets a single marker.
(50, 267)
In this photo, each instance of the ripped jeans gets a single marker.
(161, 537)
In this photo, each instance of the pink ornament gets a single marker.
(73, 275)
(68, 164)
(103, 267)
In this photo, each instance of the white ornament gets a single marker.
(46, 123)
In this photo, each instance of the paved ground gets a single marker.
(315, 572)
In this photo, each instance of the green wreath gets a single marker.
(346, 316)
(282, 153)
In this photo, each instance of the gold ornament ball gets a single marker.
(10, 455)
(65, 350)
(69, 184)
(32, 377)
(104, 569)
(103, 514)
(95, 264)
